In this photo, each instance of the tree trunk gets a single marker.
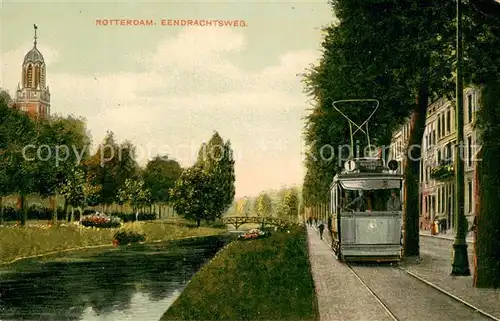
(24, 212)
(487, 246)
(1, 210)
(412, 171)
(72, 218)
(198, 222)
(66, 217)
(54, 213)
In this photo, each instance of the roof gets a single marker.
(367, 181)
(34, 55)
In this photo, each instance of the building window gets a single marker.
(438, 156)
(421, 171)
(439, 127)
(469, 185)
(443, 123)
(433, 137)
(30, 76)
(469, 151)
(469, 108)
(448, 121)
(448, 152)
(439, 198)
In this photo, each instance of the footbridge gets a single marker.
(238, 221)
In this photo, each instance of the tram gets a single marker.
(366, 211)
(366, 203)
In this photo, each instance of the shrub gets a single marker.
(35, 212)
(128, 237)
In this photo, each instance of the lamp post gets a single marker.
(460, 266)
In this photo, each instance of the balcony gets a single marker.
(443, 172)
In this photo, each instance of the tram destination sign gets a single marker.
(374, 164)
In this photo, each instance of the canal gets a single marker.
(133, 283)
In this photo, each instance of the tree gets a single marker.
(67, 142)
(216, 159)
(192, 196)
(264, 205)
(5, 96)
(18, 161)
(242, 206)
(394, 51)
(111, 166)
(160, 176)
(78, 190)
(482, 66)
(291, 203)
(135, 192)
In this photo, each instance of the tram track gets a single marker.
(377, 298)
(456, 298)
(393, 315)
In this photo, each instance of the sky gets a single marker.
(167, 88)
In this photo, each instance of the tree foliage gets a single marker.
(394, 51)
(291, 203)
(192, 195)
(160, 176)
(206, 190)
(135, 192)
(264, 205)
(77, 189)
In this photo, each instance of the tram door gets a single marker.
(335, 208)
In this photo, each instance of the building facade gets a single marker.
(437, 192)
(32, 94)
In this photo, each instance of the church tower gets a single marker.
(32, 95)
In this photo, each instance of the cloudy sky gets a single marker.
(167, 88)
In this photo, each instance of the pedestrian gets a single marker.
(321, 227)
(315, 221)
(473, 228)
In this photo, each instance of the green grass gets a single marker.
(35, 239)
(264, 279)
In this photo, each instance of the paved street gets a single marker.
(405, 297)
(435, 266)
(340, 295)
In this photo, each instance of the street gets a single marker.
(402, 296)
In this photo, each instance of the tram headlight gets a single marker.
(393, 165)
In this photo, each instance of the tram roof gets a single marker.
(367, 175)
(361, 180)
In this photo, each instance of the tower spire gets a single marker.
(35, 26)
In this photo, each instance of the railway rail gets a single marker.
(393, 315)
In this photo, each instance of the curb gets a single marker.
(444, 238)
(95, 247)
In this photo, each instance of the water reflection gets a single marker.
(130, 283)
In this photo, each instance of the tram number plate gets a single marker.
(370, 164)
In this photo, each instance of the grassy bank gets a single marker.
(34, 239)
(264, 279)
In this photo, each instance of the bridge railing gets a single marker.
(237, 221)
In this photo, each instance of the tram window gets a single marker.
(368, 200)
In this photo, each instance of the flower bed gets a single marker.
(100, 220)
(254, 234)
